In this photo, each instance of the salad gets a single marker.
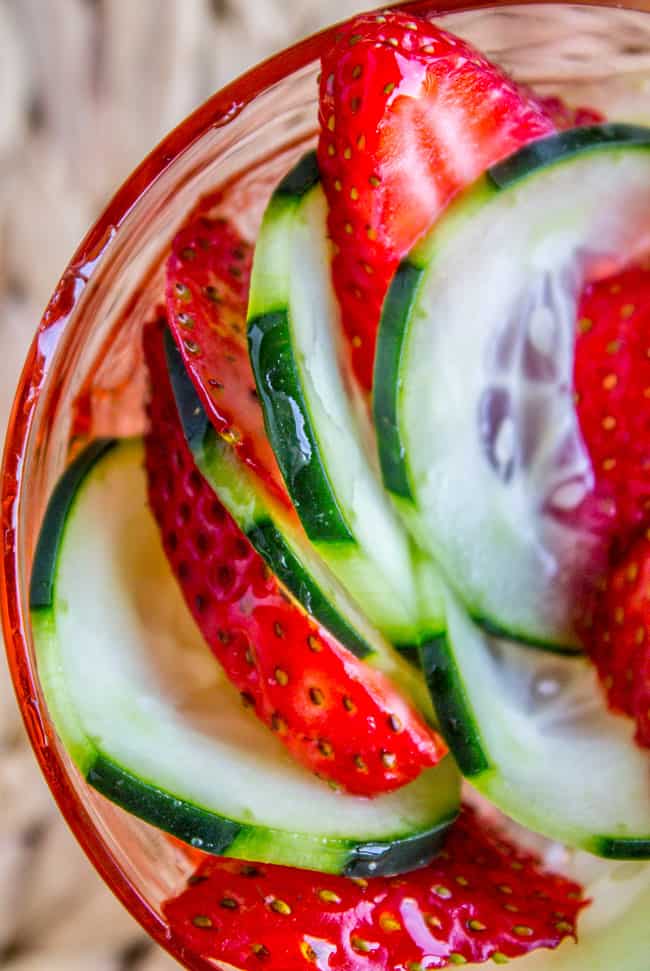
(363, 619)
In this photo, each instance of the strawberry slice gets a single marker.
(620, 642)
(409, 115)
(642, 699)
(337, 716)
(482, 898)
(564, 115)
(208, 279)
(612, 385)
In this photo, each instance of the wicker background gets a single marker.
(86, 89)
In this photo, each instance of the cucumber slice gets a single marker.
(478, 437)
(280, 539)
(311, 421)
(150, 719)
(531, 731)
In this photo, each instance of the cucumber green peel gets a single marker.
(311, 422)
(149, 718)
(478, 439)
(280, 540)
(265, 524)
(532, 732)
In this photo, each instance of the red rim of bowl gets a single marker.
(92, 250)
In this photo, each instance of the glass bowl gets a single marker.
(84, 374)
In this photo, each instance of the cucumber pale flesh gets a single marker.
(310, 419)
(149, 718)
(532, 732)
(478, 435)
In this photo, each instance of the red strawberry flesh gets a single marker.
(564, 115)
(481, 899)
(208, 278)
(612, 385)
(337, 716)
(409, 115)
(620, 641)
(642, 697)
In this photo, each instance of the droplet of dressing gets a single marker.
(546, 687)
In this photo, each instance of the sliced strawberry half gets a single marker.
(409, 115)
(481, 899)
(337, 716)
(208, 279)
(620, 641)
(612, 385)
